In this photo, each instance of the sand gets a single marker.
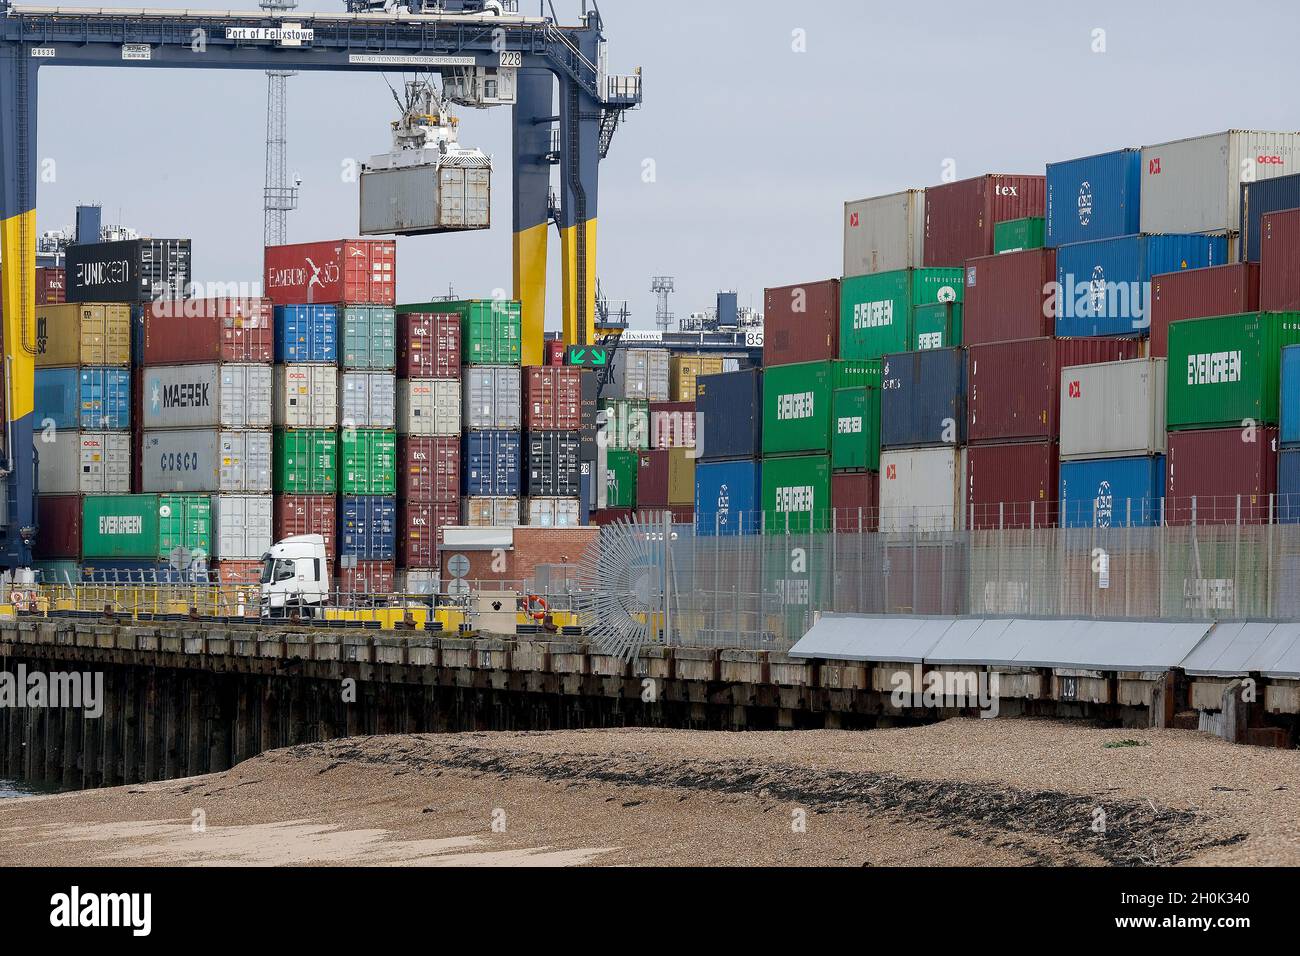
(957, 793)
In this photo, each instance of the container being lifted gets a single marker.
(428, 183)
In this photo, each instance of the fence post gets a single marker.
(1236, 560)
(1128, 556)
(1269, 584)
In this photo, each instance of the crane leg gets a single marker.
(532, 141)
(579, 167)
(18, 293)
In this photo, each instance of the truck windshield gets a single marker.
(268, 569)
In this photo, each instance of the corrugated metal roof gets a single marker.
(871, 637)
(1104, 645)
(1239, 648)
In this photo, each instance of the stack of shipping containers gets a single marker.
(335, 403)
(553, 440)
(428, 442)
(627, 434)
(728, 445)
(665, 478)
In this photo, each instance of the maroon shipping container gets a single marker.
(238, 572)
(428, 345)
(1199, 294)
(555, 349)
(855, 501)
(553, 399)
(208, 330)
(345, 272)
(1007, 297)
(801, 323)
(1014, 388)
(51, 286)
(419, 531)
(960, 216)
(367, 577)
(604, 516)
(307, 514)
(1279, 261)
(1214, 467)
(1012, 485)
(58, 527)
(672, 424)
(927, 579)
(652, 479)
(428, 469)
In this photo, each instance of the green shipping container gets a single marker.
(306, 461)
(801, 579)
(867, 374)
(1227, 370)
(368, 337)
(627, 424)
(876, 310)
(855, 445)
(490, 329)
(797, 408)
(620, 478)
(369, 462)
(144, 527)
(1013, 235)
(936, 326)
(796, 494)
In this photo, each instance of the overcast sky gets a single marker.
(756, 146)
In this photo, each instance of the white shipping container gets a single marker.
(241, 526)
(555, 512)
(229, 395)
(418, 582)
(922, 489)
(1194, 185)
(88, 463)
(428, 406)
(643, 373)
(492, 397)
(884, 233)
(306, 396)
(368, 399)
(205, 460)
(1113, 409)
(491, 512)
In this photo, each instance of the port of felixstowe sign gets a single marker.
(288, 34)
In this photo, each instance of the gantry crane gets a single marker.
(542, 52)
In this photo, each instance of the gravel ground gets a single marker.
(962, 792)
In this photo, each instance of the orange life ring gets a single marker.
(534, 600)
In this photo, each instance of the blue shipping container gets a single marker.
(729, 413)
(306, 333)
(368, 527)
(1112, 491)
(1096, 197)
(89, 397)
(923, 399)
(1288, 486)
(1260, 197)
(1289, 421)
(492, 463)
(727, 495)
(129, 571)
(1104, 288)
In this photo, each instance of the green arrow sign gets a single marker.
(587, 357)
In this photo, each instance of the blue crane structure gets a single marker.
(543, 53)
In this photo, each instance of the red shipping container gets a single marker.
(672, 424)
(927, 579)
(428, 345)
(555, 349)
(345, 272)
(307, 514)
(1199, 294)
(960, 216)
(1007, 297)
(51, 286)
(1012, 485)
(58, 527)
(606, 516)
(801, 323)
(553, 399)
(1279, 261)
(1215, 466)
(366, 578)
(652, 479)
(855, 501)
(428, 469)
(237, 572)
(1014, 388)
(208, 330)
(419, 531)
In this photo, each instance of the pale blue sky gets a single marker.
(756, 146)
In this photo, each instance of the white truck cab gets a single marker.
(295, 577)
